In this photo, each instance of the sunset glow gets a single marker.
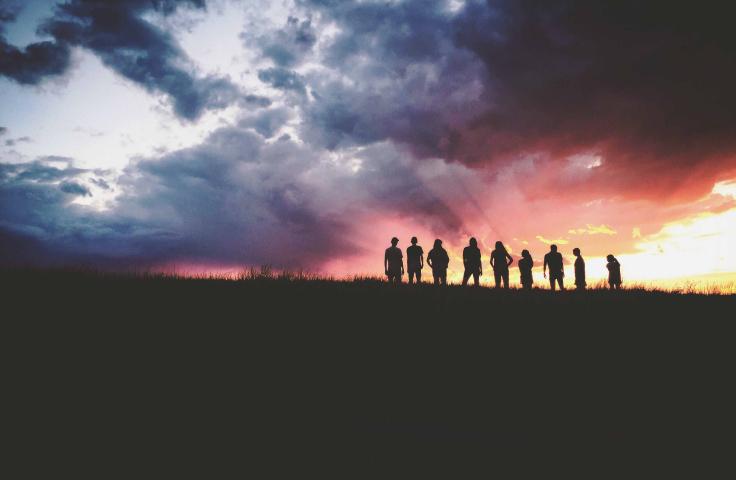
(215, 136)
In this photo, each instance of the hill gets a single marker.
(154, 373)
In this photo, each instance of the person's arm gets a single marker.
(421, 260)
(429, 260)
(493, 257)
(511, 260)
(465, 257)
(480, 265)
(544, 269)
(402, 262)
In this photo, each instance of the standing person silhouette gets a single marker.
(614, 272)
(393, 261)
(438, 259)
(414, 261)
(579, 270)
(500, 261)
(553, 259)
(525, 269)
(471, 261)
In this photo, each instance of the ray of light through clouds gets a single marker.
(214, 135)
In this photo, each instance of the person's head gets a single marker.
(576, 251)
(394, 241)
(473, 242)
(499, 245)
(438, 243)
(610, 257)
(553, 248)
(526, 254)
(414, 240)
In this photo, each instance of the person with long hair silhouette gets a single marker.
(614, 272)
(525, 270)
(579, 270)
(471, 261)
(438, 260)
(500, 261)
(553, 259)
(393, 262)
(414, 261)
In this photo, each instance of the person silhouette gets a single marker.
(525, 269)
(614, 272)
(579, 270)
(414, 261)
(393, 261)
(553, 259)
(471, 261)
(438, 259)
(500, 261)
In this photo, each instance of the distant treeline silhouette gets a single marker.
(438, 260)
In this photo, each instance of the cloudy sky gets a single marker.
(208, 135)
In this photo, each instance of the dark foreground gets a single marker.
(156, 377)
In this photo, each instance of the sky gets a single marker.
(215, 135)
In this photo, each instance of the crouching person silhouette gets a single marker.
(525, 270)
(614, 272)
(438, 259)
(580, 283)
(471, 261)
(500, 261)
(414, 261)
(393, 262)
(553, 259)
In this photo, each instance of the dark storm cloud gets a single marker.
(406, 80)
(74, 188)
(140, 51)
(234, 199)
(30, 65)
(267, 122)
(3, 131)
(283, 79)
(647, 85)
(287, 46)
(116, 31)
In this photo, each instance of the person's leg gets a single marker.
(506, 279)
(497, 278)
(436, 278)
(419, 275)
(552, 281)
(561, 281)
(443, 278)
(476, 278)
(466, 276)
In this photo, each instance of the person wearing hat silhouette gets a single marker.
(438, 259)
(393, 262)
(471, 261)
(414, 261)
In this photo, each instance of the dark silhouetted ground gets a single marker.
(154, 377)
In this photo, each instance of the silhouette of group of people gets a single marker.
(438, 260)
